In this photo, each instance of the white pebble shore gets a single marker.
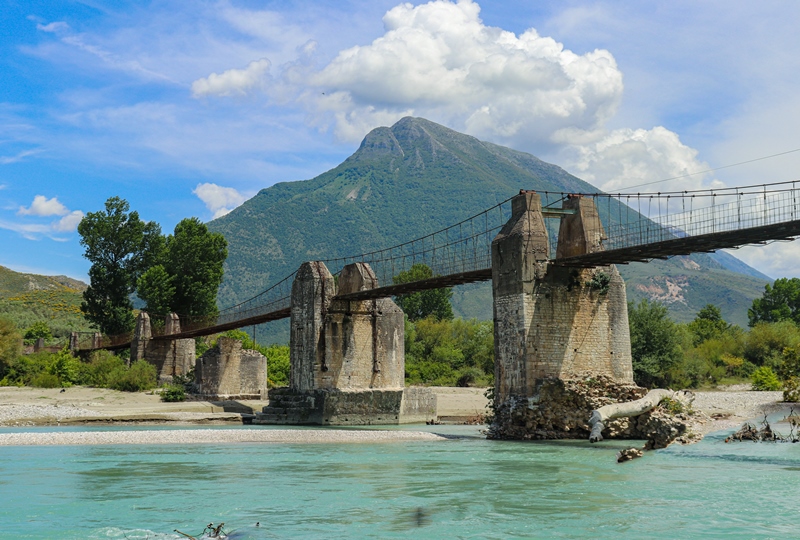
(213, 436)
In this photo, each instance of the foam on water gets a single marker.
(460, 488)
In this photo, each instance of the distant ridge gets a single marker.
(415, 177)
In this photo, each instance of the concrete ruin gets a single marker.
(554, 324)
(171, 357)
(347, 356)
(228, 372)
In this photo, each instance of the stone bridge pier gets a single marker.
(172, 357)
(561, 334)
(347, 356)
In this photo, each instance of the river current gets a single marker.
(465, 487)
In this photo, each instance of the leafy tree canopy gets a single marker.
(781, 301)
(422, 304)
(37, 330)
(655, 343)
(10, 344)
(189, 273)
(708, 324)
(120, 247)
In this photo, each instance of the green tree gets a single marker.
(120, 247)
(194, 260)
(708, 324)
(155, 287)
(422, 304)
(780, 302)
(10, 345)
(655, 343)
(37, 330)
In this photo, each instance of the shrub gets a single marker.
(139, 377)
(765, 379)
(65, 367)
(277, 365)
(44, 379)
(22, 370)
(173, 392)
(101, 364)
(791, 389)
(470, 376)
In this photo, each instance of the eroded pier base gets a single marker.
(561, 334)
(347, 357)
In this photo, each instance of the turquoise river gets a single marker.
(465, 487)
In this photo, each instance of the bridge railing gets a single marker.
(691, 214)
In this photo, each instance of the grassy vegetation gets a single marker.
(26, 299)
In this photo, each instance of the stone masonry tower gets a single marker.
(347, 356)
(553, 323)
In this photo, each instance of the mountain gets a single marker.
(56, 300)
(416, 177)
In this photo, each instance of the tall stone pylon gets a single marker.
(312, 291)
(553, 324)
(347, 356)
(364, 339)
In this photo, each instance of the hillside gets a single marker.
(415, 177)
(28, 298)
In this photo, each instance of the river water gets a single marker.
(465, 487)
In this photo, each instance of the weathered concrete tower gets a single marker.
(347, 356)
(553, 325)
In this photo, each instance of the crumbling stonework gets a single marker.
(172, 357)
(227, 371)
(348, 407)
(347, 357)
(554, 325)
(561, 410)
(364, 340)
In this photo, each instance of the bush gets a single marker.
(101, 364)
(278, 365)
(139, 377)
(45, 380)
(791, 389)
(173, 392)
(65, 367)
(22, 370)
(765, 379)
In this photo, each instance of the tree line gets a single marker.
(180, 272)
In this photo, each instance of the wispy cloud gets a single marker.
(6, 160)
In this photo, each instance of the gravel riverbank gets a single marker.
(214, 436)
(723, 409)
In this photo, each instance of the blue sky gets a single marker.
(188, 108)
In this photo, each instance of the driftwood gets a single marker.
(626, 410)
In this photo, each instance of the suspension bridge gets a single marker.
(638, 227)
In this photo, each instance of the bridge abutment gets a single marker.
(347, 356)
(555, 327)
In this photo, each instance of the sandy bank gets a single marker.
(727, 408)
(214, 436)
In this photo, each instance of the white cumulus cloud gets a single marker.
(439, 60)
(626, 159)
(68, 223)
(218, 199)
(233, 81)
(42, 206)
